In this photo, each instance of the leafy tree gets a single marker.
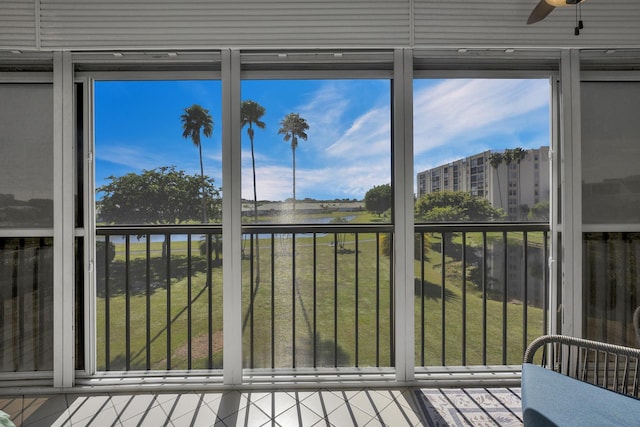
(378, 199)
(539, 212)
(454, 206)
(250, 114)
(293, 127)
(194, 120)
(159, 196)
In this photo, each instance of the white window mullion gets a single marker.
(554, 199)
(90, 335)
(231, 217)
(403, 214)
(571, 195)
(63, 220)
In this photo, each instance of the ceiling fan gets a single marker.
(545, 7)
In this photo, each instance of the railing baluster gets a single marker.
(525, 291)
(189, 305)
(167, 239)
(484, 297)
(273, 304)
(252, 297)
(604, 320)
(148, 300)
(392, 340)
(545, 284)
(422, 304)
(464, 298)
(19, 301)
(127, 301)
(443, 318)
(209, 273)
(377, 299)
(357, 308)
(41, 300)
(315, 300)
(35, 309)
(335, 299)
(505, 289)
(293, 298)
(107, 307)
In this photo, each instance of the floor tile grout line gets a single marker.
(466, 392)
(403, 411)
(455, 407)
(350, 405)
(375, 408)
(519, 418)
(272, 415)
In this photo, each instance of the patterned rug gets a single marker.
(475, 407)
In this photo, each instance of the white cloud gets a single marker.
(273, 182)
(352, 180)
(325, 112)
(368, 136)
(460, 111)
(136, 158)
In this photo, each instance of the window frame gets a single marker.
(88, 230)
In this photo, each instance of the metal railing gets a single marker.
(321, 294)
(481, 292)
(159, 292)
(318, 295)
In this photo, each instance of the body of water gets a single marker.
(197, 237)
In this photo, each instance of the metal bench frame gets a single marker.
(609, 366)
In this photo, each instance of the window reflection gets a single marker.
(610, 152)
(26, 304)
(26, 153)
(612, 284)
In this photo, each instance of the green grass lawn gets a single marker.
(284, 312)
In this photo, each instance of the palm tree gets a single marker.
(495, 159)
(196, 119)
(293, 127)
(250, 113)
(518, 154)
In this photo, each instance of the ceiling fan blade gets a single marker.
(540, 12)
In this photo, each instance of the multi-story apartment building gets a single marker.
(515, 186)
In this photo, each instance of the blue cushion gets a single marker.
(553, 399)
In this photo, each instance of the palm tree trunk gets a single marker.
(519, 195)
(255, 207)
(205, 217)
(204, 194)
(293, 150)
(499, 189)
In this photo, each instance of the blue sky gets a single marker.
(137, 126)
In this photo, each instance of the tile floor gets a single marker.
(361, 407)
